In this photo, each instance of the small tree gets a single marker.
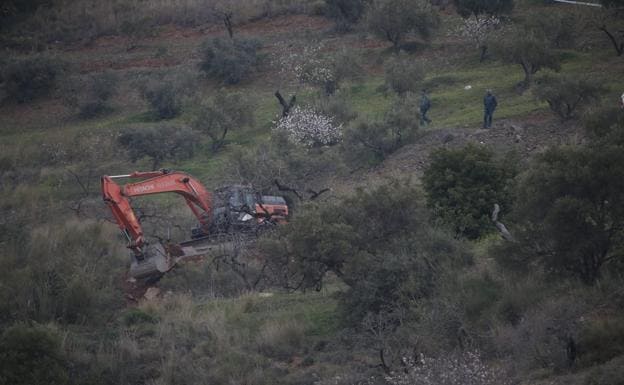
(567, 95)
(346, 13)
(312, 66)
(463, 185)
(394, 19)
(30, 78)
(31, 356)
(530, 49)
(158, 143)
(606, 21)
(229, 60)
(479, 30)
(571, 209)
(478, 8)
(90, 96)
(403, 74)
(222, 114)
(309, 128)
(380, 139)
(163, 98)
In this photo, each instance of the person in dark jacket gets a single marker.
(489, 105)
(425, 104)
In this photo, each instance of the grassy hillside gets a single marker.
(419, 299)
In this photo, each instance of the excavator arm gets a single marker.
(118, 197)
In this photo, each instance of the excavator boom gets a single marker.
(237, 206)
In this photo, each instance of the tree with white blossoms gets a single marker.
(309, 128)
(312, 67)
(479, 30)
(466, 368)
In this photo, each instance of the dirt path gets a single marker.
(527, 137)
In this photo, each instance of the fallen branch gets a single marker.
(502, 229)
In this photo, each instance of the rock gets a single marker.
(448, 138)
(151, 293)
(518, 138)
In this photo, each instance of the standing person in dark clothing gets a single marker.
(425, 104)
(489, 105)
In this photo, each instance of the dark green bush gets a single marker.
(611, 373)
(601, 340)
(463, 185)
(229, 60)
(29, 78)
(403, 74)
(222, 114)
(31, 355)
(378, 242)
(567, 95)
(372, 142)
(136, 316)
(90, 96)
(346, 13)
(163, 97)
(569, 210)
(158, 143)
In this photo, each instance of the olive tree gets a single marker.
(568, 216)
(462, 186)
(394, 19)
(530, 49)
(606, 20)
(221, 114)
(158, 143)
(566, 95)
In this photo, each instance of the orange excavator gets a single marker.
(232, 209)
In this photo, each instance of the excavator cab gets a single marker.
(231, 209)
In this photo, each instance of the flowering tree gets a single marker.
(460, 369)
(309, 128)
(479, 29)
(312, 67)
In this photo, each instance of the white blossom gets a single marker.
(466, 368)
(309, 128)
(479, 29)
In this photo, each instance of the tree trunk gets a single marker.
(227, 21)
(619, 47)
(484, 52)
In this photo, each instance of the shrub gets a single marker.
(600, 340)
(566, 95)
(280, 339)
(222, 114)
(31, 356)
(90, 95)
(163, 97)
(158, 143)
(530, 49)
(337, 107)
(569, 210)
(229, 60)
(306, 127)
(403, 74)
(611, 373)
(393, 19)
(375, 241)
(137, 316)
(462, 187)
(374, 141)
(346, 13)
(30, 78)
(466, 8)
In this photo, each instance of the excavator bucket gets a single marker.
(155, 263)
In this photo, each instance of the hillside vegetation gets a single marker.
(395, 267)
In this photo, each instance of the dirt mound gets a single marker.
(527, 136)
